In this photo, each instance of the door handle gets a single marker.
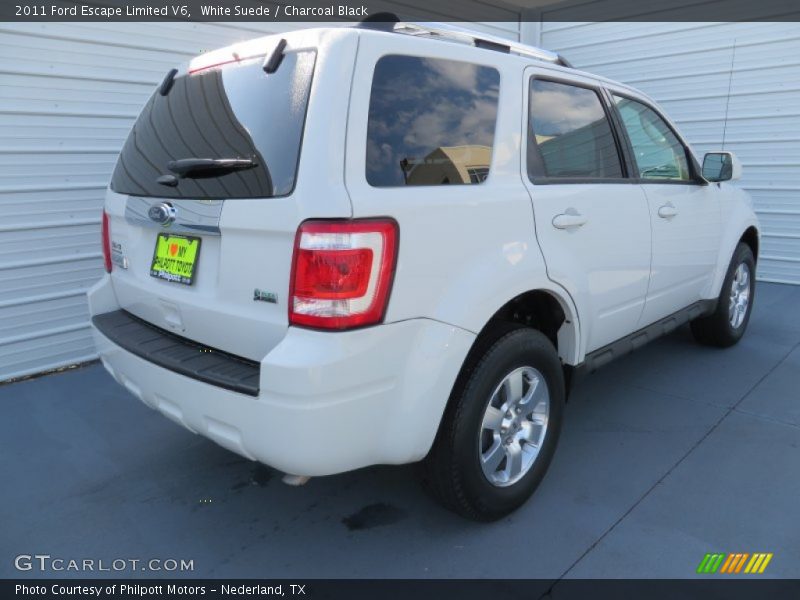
(667, 211)
(569, 220)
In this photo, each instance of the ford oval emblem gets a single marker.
(163, 213)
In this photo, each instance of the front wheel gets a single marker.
(500, 429)
(726, 325)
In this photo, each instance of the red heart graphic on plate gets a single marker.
(173, 249)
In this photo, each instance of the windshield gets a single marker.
(235, 115)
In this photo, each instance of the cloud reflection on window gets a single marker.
(572, 135)
(431, 122)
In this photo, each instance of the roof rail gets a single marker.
(445, 31)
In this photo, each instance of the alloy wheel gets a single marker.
(514, 426)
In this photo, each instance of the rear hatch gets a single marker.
(202, 203)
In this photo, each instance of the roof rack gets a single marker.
(445, 31)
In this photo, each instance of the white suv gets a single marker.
(342, 247)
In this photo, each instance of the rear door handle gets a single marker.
(569, 220)
(667, 211)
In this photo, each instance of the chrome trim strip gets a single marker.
(192, 216)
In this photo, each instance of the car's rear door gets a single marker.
(592, 221)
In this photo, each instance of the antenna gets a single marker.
(728, 99)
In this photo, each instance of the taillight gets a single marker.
(106, 244)
(342, 273)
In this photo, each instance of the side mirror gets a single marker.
(721, 166)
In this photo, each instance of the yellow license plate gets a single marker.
(175, 258)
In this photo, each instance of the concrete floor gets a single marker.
(667, 454)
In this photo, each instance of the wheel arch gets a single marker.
(751, 238)
(542, 309)
(743, 227)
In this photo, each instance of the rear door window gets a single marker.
(234, 112)
(569, 134)
(431, 122)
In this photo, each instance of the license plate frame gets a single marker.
(178, 272)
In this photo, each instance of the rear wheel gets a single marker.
(500, 430)
(727, 324)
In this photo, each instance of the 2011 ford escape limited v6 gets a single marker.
(341, 247)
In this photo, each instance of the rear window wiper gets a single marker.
(199, 168)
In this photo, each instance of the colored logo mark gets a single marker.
(734, 563)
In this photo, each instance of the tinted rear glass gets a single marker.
(431, 122)
(570, 135)
(234, 112)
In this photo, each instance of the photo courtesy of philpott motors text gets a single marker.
(139, 590)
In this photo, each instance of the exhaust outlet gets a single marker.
(295, 480)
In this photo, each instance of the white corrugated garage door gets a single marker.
(693, 71)
(68, 96)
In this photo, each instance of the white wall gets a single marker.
(69, 94)
(691, 70)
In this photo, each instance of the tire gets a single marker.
(524, 363)
(727, 324)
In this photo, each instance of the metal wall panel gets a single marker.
(69, 94)
(693, 71)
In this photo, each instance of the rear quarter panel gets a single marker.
(464, 250)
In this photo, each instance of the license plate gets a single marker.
(175, 258)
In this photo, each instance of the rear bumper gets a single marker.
(178, 354)
(327, 402)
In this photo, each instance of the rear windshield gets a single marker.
(236, 112)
